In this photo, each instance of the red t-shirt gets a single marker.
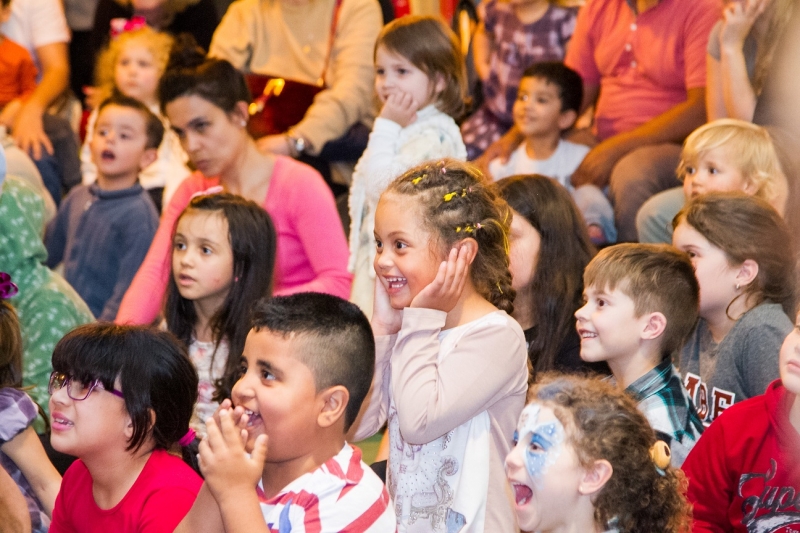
(157, 501)
(644, 63)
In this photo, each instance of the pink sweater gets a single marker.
(311, 249)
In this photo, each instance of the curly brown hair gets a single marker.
(457, 202)
(603, 423)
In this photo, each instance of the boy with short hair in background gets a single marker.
(102, 231)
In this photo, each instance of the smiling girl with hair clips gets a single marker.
(585, 459)
(451, 367)
(223, 257)
(121, 400)
(421, 80)
(744, 260)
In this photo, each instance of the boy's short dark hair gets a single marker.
(658, 278)
(154, 372)
(154, 128)
(338, 345)
(569, 82)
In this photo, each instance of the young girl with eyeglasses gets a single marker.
(121, 400)
(21, 453)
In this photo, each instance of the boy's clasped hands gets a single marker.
(229, 469)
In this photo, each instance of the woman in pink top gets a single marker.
(206, 104)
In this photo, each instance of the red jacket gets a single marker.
(744, 472)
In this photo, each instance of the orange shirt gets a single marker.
(17, 72)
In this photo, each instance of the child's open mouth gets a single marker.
(253, 418)
(522, 493)
(396, 283)
(107, 155)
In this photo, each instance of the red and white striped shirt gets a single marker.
(343, 495)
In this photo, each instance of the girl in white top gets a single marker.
(223, 256)
(132, 65)
(451, 367)
(421, 80)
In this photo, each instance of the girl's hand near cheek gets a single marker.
(445, 290)
(386, 320)
(226, 466)
(400, 107)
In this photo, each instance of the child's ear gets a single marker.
(595, 477)
(567, 119)
(748, 271)
(471, 246)
(439, 85)
(334, 404)
(148, 156)
(654, 326)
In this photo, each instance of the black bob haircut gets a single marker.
(153, 370)
(338, 345)
(569, 82)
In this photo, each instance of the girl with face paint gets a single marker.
(582, 462)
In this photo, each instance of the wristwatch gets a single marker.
(297, 144)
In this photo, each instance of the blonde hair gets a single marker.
(750, 148)
(157, 43)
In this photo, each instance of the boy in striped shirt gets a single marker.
(307, 365)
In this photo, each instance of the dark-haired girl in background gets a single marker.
(549, 251)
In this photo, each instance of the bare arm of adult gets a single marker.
(502, 148)
(14, 516)
(481, 46)
(671, 126)
(738, 96)
(28, 454)
(28, 130)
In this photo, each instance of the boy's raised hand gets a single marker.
(229, 471)
(401, 108)
(445, 290)
(386, 320)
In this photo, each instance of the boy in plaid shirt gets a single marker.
(642, 303)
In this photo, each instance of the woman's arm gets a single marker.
(306, 204)
(28, 454)
(142, 301)
(481, 45)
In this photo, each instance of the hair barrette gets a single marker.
(660, 454)
(8, 289)
(118, 26)
(500, 288)
(449, 196)
(417, 179)
(188, 438)
(216, 189)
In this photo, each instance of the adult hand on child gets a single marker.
(401, 108)
(445, 290)
(596, 167)
(386, 320)
(28, 131)
(737, 21)
(228, 470)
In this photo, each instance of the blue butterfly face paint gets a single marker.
(543, 470)
(542, 441)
